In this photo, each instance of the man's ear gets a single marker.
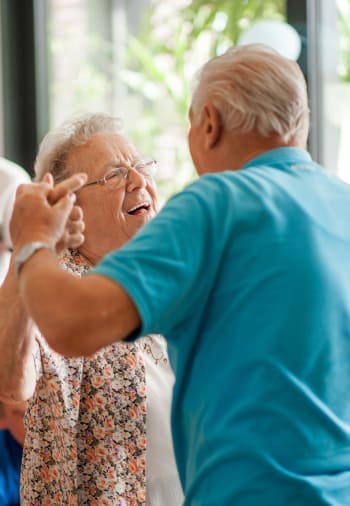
(212, 124)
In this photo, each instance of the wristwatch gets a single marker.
(27, 251)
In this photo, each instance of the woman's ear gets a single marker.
(212, 124)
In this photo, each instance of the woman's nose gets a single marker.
(135, 180)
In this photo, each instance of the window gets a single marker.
(136, 59)
(331, 76)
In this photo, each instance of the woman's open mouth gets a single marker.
(139, 209)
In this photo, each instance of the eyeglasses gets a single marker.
(119, 175)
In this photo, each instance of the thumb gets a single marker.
(47, 178)
(65, 205)
(70, 185)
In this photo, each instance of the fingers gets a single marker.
(46, 212)
(22, 189)
(35, 217)
(76, 213)
(72, 184)
(73, 235)
(72, 241)
(75, 241)
(76, 225)
(62, 210)
(65, 205)
(35, 189)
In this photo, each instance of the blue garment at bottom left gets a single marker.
(10, 468)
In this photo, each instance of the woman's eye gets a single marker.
(116, 173)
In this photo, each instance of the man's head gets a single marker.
(254, 93)
(120, 194)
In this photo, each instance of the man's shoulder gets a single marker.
(206, 202)
(208, 187)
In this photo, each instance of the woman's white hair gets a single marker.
(77, 131)
(255, 90)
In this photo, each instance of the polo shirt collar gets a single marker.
(279, 156)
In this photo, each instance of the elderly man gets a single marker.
(245, 273)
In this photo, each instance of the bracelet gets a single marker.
(27, 251)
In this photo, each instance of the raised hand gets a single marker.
(73, 235)
(46, 213)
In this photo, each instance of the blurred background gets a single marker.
(137, 59)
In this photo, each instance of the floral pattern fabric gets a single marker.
(86, 425)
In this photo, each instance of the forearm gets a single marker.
(76, 316)
(17, 368)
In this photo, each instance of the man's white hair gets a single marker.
(77, 131)
(255, 90)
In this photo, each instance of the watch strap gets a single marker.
(27, 251)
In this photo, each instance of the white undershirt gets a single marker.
(162, 482)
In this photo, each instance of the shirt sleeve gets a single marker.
(168, 267)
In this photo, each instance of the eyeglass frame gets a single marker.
(124, 173)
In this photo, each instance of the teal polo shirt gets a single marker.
(247, 275)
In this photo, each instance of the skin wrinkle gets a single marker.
(100, 152)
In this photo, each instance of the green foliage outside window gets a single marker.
(175, 40)
(343, 7)
(147, 78)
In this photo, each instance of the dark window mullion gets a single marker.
(19, 87)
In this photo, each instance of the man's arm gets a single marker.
(76, 316)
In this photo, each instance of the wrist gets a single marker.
(26, 251)
(19, 243)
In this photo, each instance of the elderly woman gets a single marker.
(98, 428)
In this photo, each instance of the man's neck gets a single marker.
(237, 149)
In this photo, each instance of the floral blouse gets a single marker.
(86, 425)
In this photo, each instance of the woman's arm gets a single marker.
(17, 341)
(17, 328)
